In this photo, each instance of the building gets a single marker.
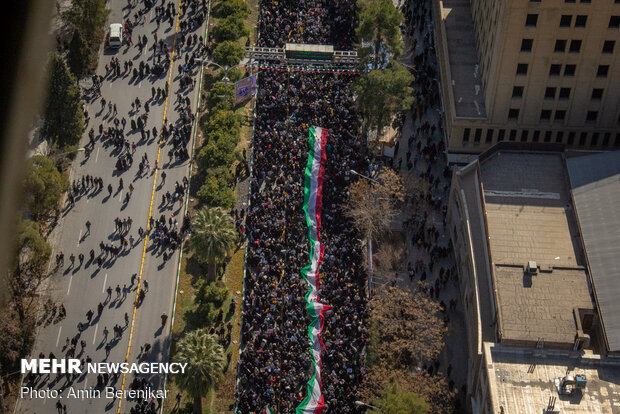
(528, 71)
(536, 240)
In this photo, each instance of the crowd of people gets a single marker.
(275, 362)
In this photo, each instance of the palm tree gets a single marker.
(205, 363)
(213, 237)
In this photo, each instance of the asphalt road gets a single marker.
(81, 288)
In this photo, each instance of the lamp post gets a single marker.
(363, 404)
(67, 152)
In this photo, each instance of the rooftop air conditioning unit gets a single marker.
(531, 268)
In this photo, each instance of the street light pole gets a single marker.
(363, 404)
(68, 152)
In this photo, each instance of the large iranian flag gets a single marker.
(313, 202)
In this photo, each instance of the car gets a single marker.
(115, 36)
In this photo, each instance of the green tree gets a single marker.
(44, 186)
(89, 16)
(379, 23)
(231, 28)
(64, 118)
(382, 93)
(80, 55)
(205, 359)
(223, 121)
(228, 53)
(215, 155)
(221, 97)
(213, 237)
(396, 401)
(215, 191)
(227, 8)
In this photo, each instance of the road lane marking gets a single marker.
(85, 382)
(95, 335)
(105, 279)
(70, 280)
(120, 197)
(79, 238)
(140, 84)
(97, 155)
(146, 236)
(58, 338)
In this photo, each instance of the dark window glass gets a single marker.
(517, 91)
(575, 46)
(614, 22)
(571, 138)
(606, 138)
(513, 113)
(466, 133)
(489, 137)
(566, 20)
(548, 136)
(549, 93)
(500, 135)
(602, 71)
(564, 93)
(522, 69)
(580, 21)
(560, 46)
(569, 70)
(597, 93)
(545, 114)
(594, 140)
(477, 135)
(536, 136)
(531, 20)
(617, 140)
(591, 116)
(569, 1)
(582, 138)
(513, 135)
(524, 135)
(608, 46)
(559, 137)
(560, 115)
(554, 70)
(526, 45)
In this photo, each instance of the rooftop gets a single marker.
(521, 380)
(529, 218)
(595, 181)
(463, 58)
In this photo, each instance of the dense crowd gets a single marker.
(275, 363)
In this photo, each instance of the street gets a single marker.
(80, 288)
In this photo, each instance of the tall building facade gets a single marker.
(529, 71)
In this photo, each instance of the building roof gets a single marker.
(595, 182)
(465, 69)
(521, 380)
(529, 218)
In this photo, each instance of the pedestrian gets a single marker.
(146, 285)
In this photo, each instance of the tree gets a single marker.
(215, 191)
(396, 401)
(205, 359)
(382, 93)
(227, 8)
(228, 53)
(89, 16)
(220, 154)
(379, 23)
(64, 118)
(231, 28)
(221, 97)
(213, 237)
(408, 329)
(44, 186)
(224, 122)
(79, 56)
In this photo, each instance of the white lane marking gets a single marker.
(105, 279)
(97, 155)
(120, 197)
(79, 238)
(85, 381)
(140, 84)
(70, 280)
(95, 335)
(58, 338)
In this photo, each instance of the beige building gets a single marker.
(529, 71)
(536, 241)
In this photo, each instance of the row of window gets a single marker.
(566, 20)
(545, 115)
(569, 70)
(596, 138)
(551, 93)
(575, 46)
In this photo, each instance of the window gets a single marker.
(560, 46)
(560, 115)
(489, 137)
(477, 135)
(597, 94)
(548, 136)
(536, 136)
(602, 71)
(617, 140)
(532, 19)
(569, 1)
(517, 91)
(526, 45)
(500, 135)
(614, 21)
(513, 135)
(575, 46)
(513, 113)
(559, 137)
(524, 135)
(550, 93)
(606, 139)
(564, 93)
(591, 116)
(554, 70)
(566, 20)
(522, 69)
(582, 138)
(586, 1)
(466, 133)
(594, 139)
(580, 21)
(569, 70)
(571, 138)
(608, 46)
(545, 114)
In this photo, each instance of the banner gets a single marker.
(313, 203)
(244, 89)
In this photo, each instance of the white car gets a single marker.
(116, 35)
